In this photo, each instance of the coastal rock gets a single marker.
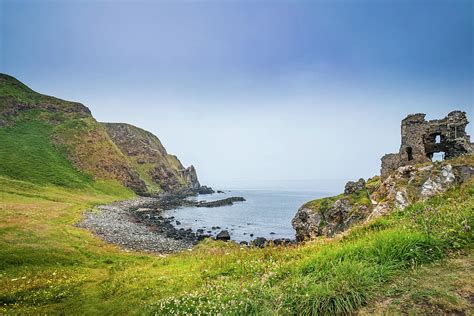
(330, 216)
(223, 202)
(282, 242)
(191, 178)
(307, 223)
(223, 235)
(353, 187)
(259, 242)
(406, 185)
(205, 190)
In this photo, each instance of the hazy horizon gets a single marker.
(254, 95)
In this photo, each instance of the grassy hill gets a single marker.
(46, 140)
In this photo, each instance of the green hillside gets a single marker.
(49, 140)
(26, 153)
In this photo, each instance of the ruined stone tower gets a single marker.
(421, 139)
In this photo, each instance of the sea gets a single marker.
(265, 213)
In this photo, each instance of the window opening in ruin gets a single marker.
(438, 139)
(410, 153)
(438, 156)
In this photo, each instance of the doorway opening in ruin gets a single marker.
(410, 153)
(438, 156)
(438, 139)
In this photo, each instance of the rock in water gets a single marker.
(223, 235)
(205, 190)
(223, 202)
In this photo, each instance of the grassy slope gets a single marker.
(444, 287)
(27, 154)
(48, 265)
(43, 120)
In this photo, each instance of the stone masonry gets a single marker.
(421, 139)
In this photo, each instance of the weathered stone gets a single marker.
(401, 199)
(353, 187)
(421, 139)
(191, 178)
(223, 235)
(259, 242)
(223, 202)
(465, 172)
(306, 223)
(439, 183)
(205, 190)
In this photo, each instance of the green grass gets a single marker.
(48, 265)
(443, 287)
(26, 153)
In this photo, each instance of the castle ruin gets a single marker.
(421, 139)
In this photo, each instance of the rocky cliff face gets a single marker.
(363, 201)
(120, 152)
(160, 170)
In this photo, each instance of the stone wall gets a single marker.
(421, 139)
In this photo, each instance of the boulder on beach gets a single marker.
(223, 235)
(259, 242)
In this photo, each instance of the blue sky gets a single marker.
(251, 92)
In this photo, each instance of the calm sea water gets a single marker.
(265, 213)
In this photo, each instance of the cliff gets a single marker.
(53, 141)
(160, 170)
(406, 178)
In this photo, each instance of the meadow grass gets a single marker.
(50, 266)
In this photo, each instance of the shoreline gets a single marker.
(140, 224)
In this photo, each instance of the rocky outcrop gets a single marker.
(205, 190)
(161, 171)
(192, 179)
(407, 185)
(330, 216)
(406, 177)
(223, 235)
(354, 187)
(421, 139)
(223, 202)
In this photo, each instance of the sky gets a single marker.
(254, 94)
